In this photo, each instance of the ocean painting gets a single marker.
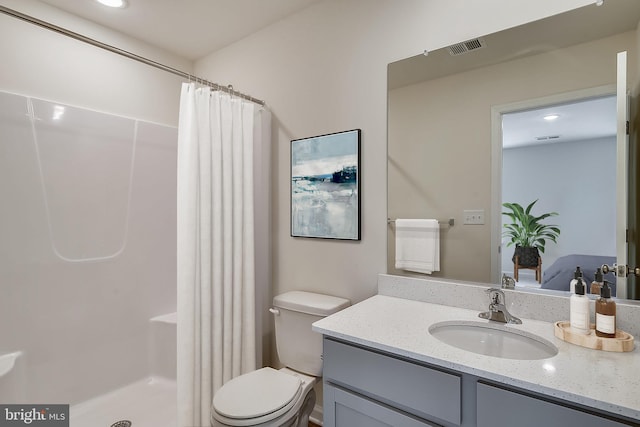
(325, 186)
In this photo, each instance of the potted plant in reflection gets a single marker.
(528, 233)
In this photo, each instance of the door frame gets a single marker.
(496, 156)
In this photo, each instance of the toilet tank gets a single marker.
(299, 347)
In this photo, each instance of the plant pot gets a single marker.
(527, 257)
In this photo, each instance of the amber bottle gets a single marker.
(605, 313)
(596, 285)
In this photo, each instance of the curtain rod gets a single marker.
(127, 54)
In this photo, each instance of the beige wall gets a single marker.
(440, 141)
(324, 70)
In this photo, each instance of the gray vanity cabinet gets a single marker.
(353, 410)
(359, 383)
(498, 407)
(368, 388)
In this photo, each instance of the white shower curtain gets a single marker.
(215, 265)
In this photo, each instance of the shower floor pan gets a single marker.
(147, 403)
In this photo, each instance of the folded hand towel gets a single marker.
(418, 245)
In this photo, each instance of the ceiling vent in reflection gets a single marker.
(547, 138)
(468, 46)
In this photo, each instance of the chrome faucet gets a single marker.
(497, 310)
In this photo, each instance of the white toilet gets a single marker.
(281, 398)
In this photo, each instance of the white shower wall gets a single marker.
(87, 254)
(83, 327)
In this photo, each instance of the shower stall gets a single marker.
(88, 155)
(87, 226)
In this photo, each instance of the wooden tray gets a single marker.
(623, 341)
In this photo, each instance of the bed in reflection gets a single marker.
(559, 274)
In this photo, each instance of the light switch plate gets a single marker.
(473, 217)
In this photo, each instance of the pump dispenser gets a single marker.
(579, 315)
(577, 276)
(605, 313)
(596, 285)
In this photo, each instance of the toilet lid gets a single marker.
(256, 394)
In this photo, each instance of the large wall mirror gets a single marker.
(467, 133)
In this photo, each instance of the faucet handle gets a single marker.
(497, 310)
(495, 295)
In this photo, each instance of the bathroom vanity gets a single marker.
(382, 367)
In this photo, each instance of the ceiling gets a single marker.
(577, 121)
(188, 28)
(595, 118)
(576, 26)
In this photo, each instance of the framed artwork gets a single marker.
(325, 186)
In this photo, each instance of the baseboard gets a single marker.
(316, 415)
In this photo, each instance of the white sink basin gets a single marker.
(493, 339)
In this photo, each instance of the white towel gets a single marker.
(418, 245)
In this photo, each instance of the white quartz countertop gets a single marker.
(603, 380)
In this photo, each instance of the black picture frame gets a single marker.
(325, 186)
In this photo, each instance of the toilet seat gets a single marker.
(257, 397)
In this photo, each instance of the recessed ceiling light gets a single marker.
(551, 117)
(58, 112)
(114, 3)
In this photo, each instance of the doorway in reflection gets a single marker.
(564, 156)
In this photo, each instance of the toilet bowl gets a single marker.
(270, 398)
(281, 398)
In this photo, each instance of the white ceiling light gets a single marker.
(551, 117)
(58, 112)
(114, 3)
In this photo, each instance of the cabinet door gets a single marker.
(345, 409)
(416, 389)
(503, 408)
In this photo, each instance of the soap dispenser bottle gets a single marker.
(577, 276)
(596, 285)
(605, 313)
(579, 315)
